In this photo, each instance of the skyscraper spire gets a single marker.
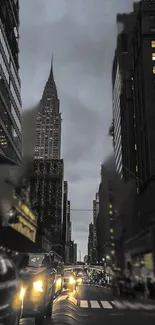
(51, 76)
(50, 89)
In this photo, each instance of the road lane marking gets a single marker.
(83, 303)
(94, 304)
(106, 304)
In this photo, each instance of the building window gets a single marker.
(153, 44)
(135, 147)
(153, 70)
(136, 168)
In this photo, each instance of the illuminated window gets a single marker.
(153, 56)
(111, 230)
(137, 190)
(153, 44)
(136, 168)
(113, 244)
(153, 70)
(135, 147)
(110, 206)
(110, 212)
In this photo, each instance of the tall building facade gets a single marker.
(73, 252)
(122, 66)
(90, 242)
(47, 188)
(48, 124)
(65, 222)
(137, 127)
(46, 198)
(10, 88)
(105, 218)
(95, 214)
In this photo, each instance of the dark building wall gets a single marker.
(68, 222)
(11, 238)
(65, 200)
(137, 99)
(46, 196)
(75, 254)
(10, 99)
(90, 242)
(105, 218)
(121, 65)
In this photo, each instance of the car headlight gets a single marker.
(22, 293)
(71, 280)
(38, 286)
(58, 282)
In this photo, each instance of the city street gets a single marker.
(95, 305)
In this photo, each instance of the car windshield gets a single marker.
(68, 273)
(36, 260)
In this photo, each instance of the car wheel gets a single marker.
(39, 319)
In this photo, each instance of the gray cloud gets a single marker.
(82, 35)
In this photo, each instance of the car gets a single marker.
(58, 265)
(69, 279)
(38, 285)
(79, 278)
(10, 302)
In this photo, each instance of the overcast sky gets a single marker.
(82, 36)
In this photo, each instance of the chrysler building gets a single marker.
(48, 124)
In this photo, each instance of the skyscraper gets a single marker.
(65, 222)
(121, 65)
(95, 214)
(48, 124)
(90, 243)
(47, 182)
(105, 218)
(137, 127)
(10, 99)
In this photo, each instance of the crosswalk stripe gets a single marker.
(94, 304)
(106, 304)
(83, 303)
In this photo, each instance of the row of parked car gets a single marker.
(33, 281)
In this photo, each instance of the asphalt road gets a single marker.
(93, 305)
